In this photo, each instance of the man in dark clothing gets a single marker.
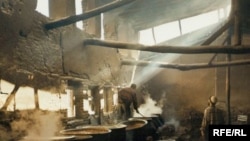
(212, 116)
(127, 97)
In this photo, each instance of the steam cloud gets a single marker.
(149, 107)
(34, 124)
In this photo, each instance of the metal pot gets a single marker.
(54, 138)
(98, 133)
(134, 129)
(82, 138)
(149, 130)
(118, 132)
(161, 119)
(157, 121)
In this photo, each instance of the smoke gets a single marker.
(4, 136)
(173, 122)
(41, 128)
(36, 124)
(150, 71)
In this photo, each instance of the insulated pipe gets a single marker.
(87, 15)
(203, 49)
(184, 67)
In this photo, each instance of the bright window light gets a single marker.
(43, 7)
(161, 33)
(222, 13)
(166, 31)
(146, 37)
(228, 10)
(78, 5)
(171, 30)
(198, 22)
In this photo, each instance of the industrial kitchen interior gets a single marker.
(63, 64)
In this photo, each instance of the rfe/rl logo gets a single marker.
(229, 132)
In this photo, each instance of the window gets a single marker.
(166, 31)
(146, 37)
(78, 5)
(43, 7)
(158, 34)
(198, 22)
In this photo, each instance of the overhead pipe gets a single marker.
(87, 15)
(226, 49)
(184, 67)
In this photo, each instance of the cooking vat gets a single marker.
(149, 130)
(118, 132)
(98, 133)
(134, 128)
(57, 138)
(156, 120)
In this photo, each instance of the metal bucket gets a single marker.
(98, 133)
(134, 129)
(118, 132)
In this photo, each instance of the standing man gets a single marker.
(127, 97)
(212, 116)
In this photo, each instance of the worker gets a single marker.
(126, 99)
(212, 116)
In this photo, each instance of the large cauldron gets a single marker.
(118, 132)
(98, 133)
(58, 138)
(150, 129)
(134, 129)
(156, 120)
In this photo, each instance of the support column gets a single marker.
(77, 89)
(37, 106)
(108, 99)
(97, 105)
(71, 104)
